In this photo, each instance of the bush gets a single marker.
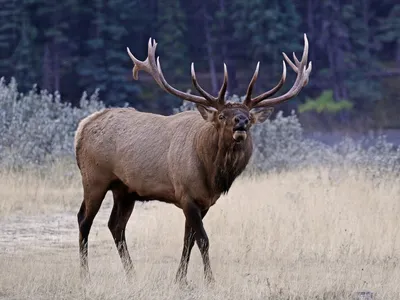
(38, 127)
(280, 144)
(325, 103)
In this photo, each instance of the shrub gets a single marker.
(280, 144)
(38, 127)
(325, 104)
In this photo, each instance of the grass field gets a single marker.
(310, 234)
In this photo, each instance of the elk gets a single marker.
(187, 159)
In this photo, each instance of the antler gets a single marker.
(302, 79)
(220, 99)
(154, 69)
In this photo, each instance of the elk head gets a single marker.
(231, 119)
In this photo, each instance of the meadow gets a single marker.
(305, 221)
(314, 233)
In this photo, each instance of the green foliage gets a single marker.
(325, 103)
(389, 27)
(9, 25)
(106, 65)
(77, 45)
(18, 53)
(260, 24)
(171, 35)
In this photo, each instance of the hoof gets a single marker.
(182, 283)
(210, 281)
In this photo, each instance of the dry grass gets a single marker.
(311, 234)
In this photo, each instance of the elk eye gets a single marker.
(221, 117)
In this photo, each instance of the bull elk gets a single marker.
(188, 159)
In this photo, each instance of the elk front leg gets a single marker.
(188, 243)
(194, 218)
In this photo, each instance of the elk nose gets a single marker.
(241, 122)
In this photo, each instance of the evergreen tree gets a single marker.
(24, 58)
(171, 35)
(107, 65)
(9, 33)
(54, 21)
(267, 29)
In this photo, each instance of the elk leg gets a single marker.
(194, 217)
(188, 243)
(89, 208)
(124, 203)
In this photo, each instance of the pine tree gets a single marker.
(24, 58)
(171, 36)
(9, 34)
(54, 21)
(266, 29)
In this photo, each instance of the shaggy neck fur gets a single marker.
(223, 159)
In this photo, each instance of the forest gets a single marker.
(74, 46)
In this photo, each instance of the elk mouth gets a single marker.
(239, 135)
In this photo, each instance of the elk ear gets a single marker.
(208, 113)
(259, 116)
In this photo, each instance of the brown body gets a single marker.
(166, 158)
(188, 159)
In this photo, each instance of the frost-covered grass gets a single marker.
(280, 144)
(37, 128)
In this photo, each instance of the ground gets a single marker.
(307, 234)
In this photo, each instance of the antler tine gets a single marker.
(308, 71)
(221, 94)
(296, 61)
(199, 88)
(180, 94)
(291, 64)
(271, 92)
(222, 91)
(136, 62)
(247, 100)
(303, 73)
(149, 65)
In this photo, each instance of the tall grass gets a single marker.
(314, 233)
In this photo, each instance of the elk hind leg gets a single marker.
(89, 208)
(124, 203)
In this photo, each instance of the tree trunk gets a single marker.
(210, 53)
(226, 57)
(310, 24)
(56, 68)
(398, 53)
(46, 68)
(366, 25)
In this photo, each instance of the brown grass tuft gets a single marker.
(315, 233)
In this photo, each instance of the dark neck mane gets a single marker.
(223, 161)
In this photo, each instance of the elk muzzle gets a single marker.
(240, 128)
